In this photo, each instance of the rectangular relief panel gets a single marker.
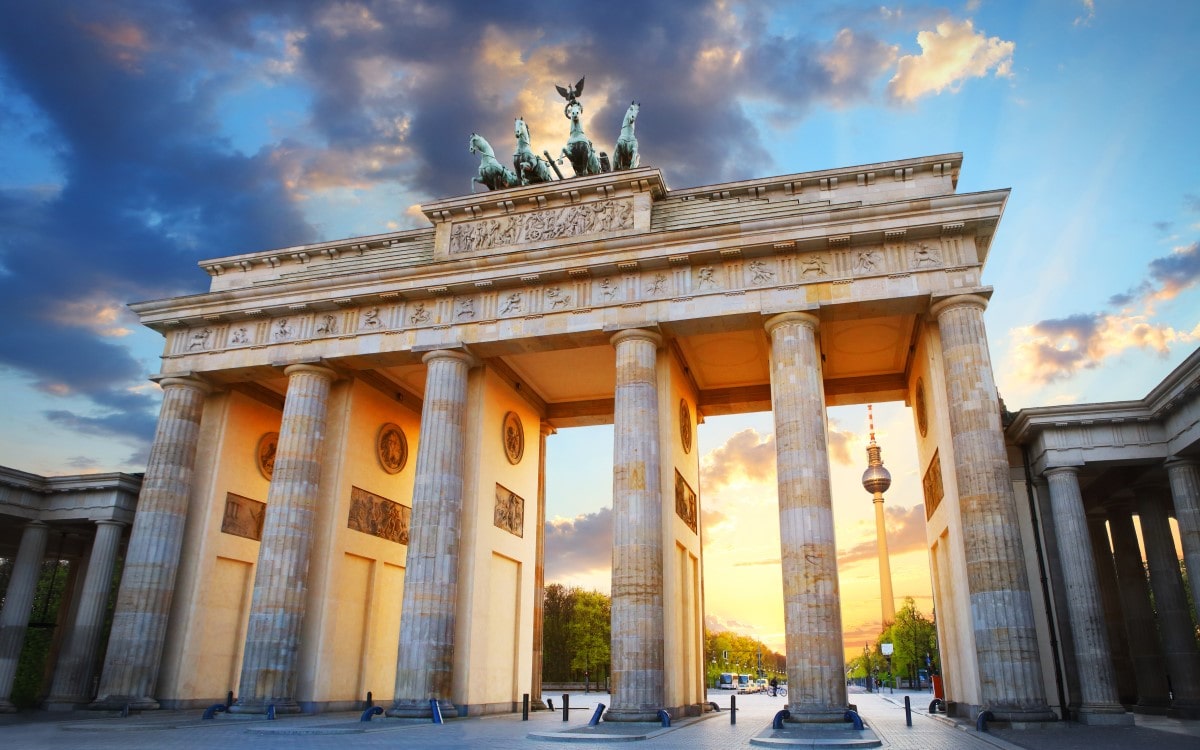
(932, 484)
(685, 502)
(243, 517)
(509, 512)
(376, 515)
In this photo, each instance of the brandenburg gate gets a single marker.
(346, 489)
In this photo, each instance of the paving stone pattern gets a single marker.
(884, 714)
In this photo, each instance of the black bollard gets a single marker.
(229, 698)
(733, 709)
(907, 711)
(370, 699)
(566, 705)
(549, 704)
(525, 707)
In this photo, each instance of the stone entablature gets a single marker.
(91, 497)
(588, 256)
(1154, 428)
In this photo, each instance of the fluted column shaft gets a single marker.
(1001, 606)
(812, 615)
(1145, 648)
(425, 662)
(1098, 686)
(73, 673)
(139, 626)
(272, 649)
(18, 603)
(1185, 492)
(1170, 604)
(1110, 599)
(637, 568)
(539, 573)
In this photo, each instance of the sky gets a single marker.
(137, 138)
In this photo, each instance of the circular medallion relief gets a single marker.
(391, 448)
(685, 426)
(919, 405)
(513, 436)
(264, 454)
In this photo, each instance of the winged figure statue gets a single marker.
(571, 93)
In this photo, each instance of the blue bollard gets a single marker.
(213, 710)
(435, 710)
(907, 711)
(780, 717)
(596, 716)
(372, 711)
(271, 712)
(854, 718)
(664, 717)
(982, 719)
(937, 704)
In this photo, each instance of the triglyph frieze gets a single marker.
(537, 226)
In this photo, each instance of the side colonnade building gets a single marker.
(346, 490)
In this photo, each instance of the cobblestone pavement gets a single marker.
(883, 713)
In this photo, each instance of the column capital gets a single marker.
(320, 370)
(111, 522)
(1051, 471)
(463, 356)
(185, 382)
(1179, 462)
(546, 429)
(958, 300)
(636, 333)
(803, 318)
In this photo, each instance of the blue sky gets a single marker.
(138, 138)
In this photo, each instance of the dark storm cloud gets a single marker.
(580, 544)
(128, 98)
(905, 533)
(148, 189)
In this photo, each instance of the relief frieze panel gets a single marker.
(537, 226)
(378, 516)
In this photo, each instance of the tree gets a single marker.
(589, 632)
(913, 637)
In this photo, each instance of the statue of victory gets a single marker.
(584, 158)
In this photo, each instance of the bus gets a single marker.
(727, 681)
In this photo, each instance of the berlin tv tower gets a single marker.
(876, 480)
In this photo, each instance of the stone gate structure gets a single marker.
(345, 493)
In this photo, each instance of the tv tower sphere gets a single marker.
(876, 479)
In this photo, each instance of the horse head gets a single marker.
(521, 130)
(631, 114)
(479, 144)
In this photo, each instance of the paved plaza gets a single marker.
(883, 714)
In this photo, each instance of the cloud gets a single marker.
(905, 533)
(1055, 350)
(1089, 14)
(745, 455)
(950, 54)
(579, 545)
(839, 442)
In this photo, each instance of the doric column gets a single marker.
(1145, 648)
(139, 624)
(1110, 598)
(73, 673)
(539, 573)
(281, 575)
(18, 603)
(425, 662)
(1098, 686)
(637, 570)
(812, 616)
(1001, 606)
(1184, 475)
(1170, 604)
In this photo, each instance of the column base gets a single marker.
(631, 714)
(537, 704)
(256, 706)
(120, 702)
(6, 707)
(61, 703)
(417, 709)
(817, 714)
(1104, 716)
(1017, 716)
